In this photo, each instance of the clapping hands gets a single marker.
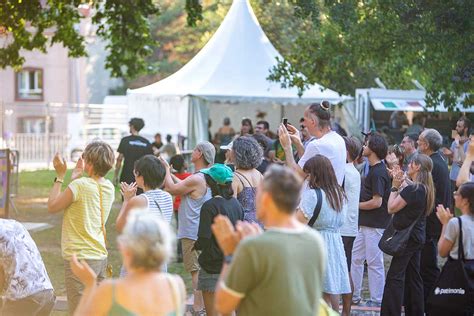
(78, 170)
(398, 176)
(59, 164)
(128, 190)
(443, 214)
(229, 237)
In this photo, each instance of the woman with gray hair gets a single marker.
(247, 156)
(145, 244)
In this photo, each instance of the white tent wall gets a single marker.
(236, 111)
(163, 114)
(197, 121)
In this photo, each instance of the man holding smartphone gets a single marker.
(317, 119)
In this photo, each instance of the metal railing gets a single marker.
(39, 147)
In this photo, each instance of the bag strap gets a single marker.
(102, 215)
(157, 205)
(247, 180)
(460, 242)
(317, 208)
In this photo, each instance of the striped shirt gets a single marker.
(160, 203)
(82, 222)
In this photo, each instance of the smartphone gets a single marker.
(285, 122)
(454, 133)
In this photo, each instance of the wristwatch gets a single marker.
(394, 189)
(228, 259)
(58, 180)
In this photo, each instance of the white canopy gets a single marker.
(231, 68)
(234, 64)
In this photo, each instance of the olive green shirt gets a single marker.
(278, 273)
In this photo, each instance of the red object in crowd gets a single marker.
(177, 199)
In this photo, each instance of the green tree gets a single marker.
(353, 42)
(36, 24)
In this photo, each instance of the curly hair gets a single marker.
(247, 152)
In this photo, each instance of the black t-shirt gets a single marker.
(263, 166)
(415, 197)
(443, 193)
(157, 145)
(377, 182)
(132, 148)
(211, 257)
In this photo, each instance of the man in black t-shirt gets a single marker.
(373, 218)
(131, 148)
(429, 142)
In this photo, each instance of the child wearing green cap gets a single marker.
(219, 179)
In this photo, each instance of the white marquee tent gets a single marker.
(227, 78)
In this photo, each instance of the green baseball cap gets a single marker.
(219, 173)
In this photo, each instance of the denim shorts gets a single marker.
(207, 282)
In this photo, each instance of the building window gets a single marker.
(29, 84)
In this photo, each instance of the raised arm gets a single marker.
(130, 202)
(464, 172)
(96, 299)
(444, 245)
(285, 141)
(57, 200)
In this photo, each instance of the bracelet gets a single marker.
(394, 189)
(58, 180)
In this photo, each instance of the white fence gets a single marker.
(39, 147)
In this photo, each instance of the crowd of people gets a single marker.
(268, 224)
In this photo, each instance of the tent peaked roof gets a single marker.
(233, 66)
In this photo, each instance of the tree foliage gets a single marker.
(36, 24)
(341, 44)
(353, 42)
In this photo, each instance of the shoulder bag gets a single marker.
(394, 241)
(454, 289)
(109, 268)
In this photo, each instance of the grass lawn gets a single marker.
(31, 203)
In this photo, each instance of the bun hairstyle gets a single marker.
(322, 112)
(325, 105)
(148, 238)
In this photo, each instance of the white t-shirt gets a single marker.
(331, 146)
(452, 234)
(352, 185)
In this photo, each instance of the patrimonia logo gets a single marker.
(439, 291)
